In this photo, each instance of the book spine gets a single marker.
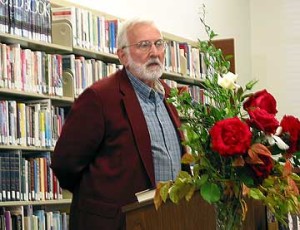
(48, 21)
(3, 176)
(33, 19)
(6, 177)
(12, 106)
(13, 175)
(8, 222)
(2, 17)
(32, 179)
(41, 175)
(18, 173)
(3, 79)
(18, 7)
(26, 191)
(79, 41)
(29, 179)
(1, 199)
(22, 123)
(11, 16)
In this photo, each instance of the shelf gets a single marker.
(25, 148)
(106, 57)
(42, 202)
(33, 44)
(21, 94)
(54, 48)
(181, 79)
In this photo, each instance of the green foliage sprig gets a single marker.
(255, 172)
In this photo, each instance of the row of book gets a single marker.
(31, 123)
(90, 31)
(27, 176)
(29, 218)
(86, 71)
(27, 18)
(197, 93)
(42, 73)
(30, 71)
(98, 33)
(182, 58)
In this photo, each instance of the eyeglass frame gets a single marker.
(149, 45)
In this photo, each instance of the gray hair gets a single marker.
(127, 25)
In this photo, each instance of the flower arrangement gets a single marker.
(237, 147)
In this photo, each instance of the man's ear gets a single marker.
(123, 56)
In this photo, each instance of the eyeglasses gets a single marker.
(145, 46)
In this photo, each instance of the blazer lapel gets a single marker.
(138, 124)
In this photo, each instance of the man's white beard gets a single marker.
(144, 71)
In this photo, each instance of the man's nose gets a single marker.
(154, 51)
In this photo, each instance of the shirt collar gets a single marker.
(143, 89)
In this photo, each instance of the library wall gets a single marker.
(275, 55)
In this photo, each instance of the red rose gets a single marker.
(261, 99)
(291, 126)
(262, 120)
(263, 170)
(260, 160)
(230, 137)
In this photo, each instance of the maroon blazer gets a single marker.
(103, 155)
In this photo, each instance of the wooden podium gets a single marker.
(192, 215)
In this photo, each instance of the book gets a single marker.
(17, 217)
(24, 179)
(2, 218)
(4, 132)
(57, 220)
(4, 16)
(43, 126)
(28, 212)
(21, 124)
(145, 195)
(5, 176)
(15, 174)
(40, 213)
(49, 220)
(34, 222)
(12, 120)
(8, 222)
(48, 21)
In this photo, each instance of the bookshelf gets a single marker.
(37, 203)
(61, 99)
(33, 44)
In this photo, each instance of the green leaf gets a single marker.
(245, 176)
(173, 193)
(164, 192)
(210, 192)
(201, 180)
(190, 193)
(256, 194)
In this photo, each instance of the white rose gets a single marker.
(228, 80)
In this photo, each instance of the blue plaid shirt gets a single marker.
(165, 143)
